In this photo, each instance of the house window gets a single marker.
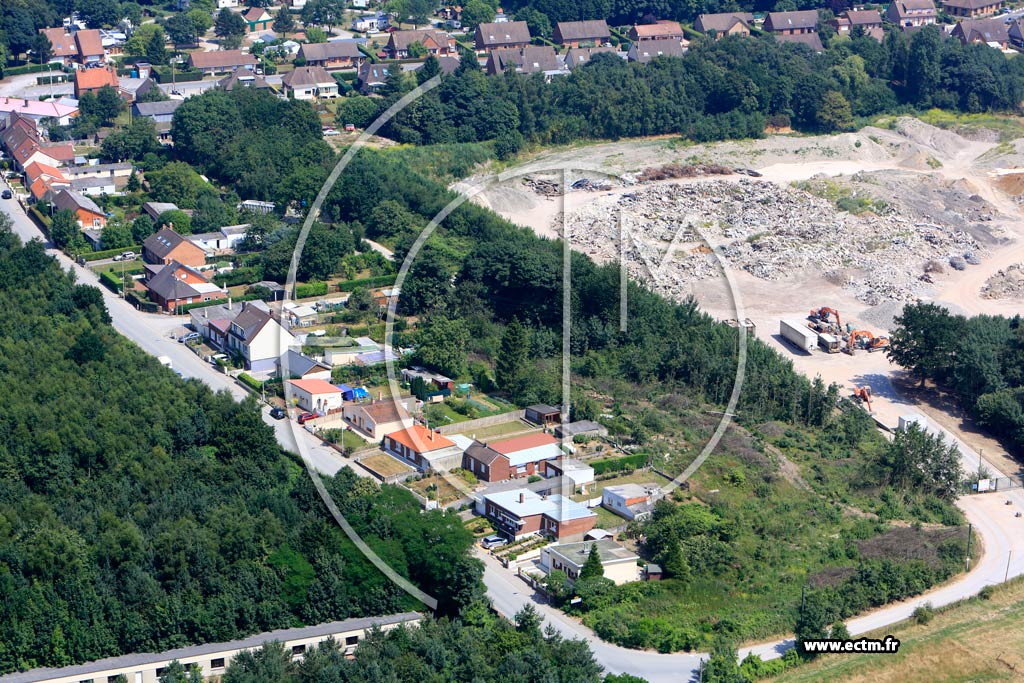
(298, 650)
(217, 663)
(351, 640)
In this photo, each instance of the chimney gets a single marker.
(431, 433)
(522, 497)
(229, 303)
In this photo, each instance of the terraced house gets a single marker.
(435, 43)
(590, 33)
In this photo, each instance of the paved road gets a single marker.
(153, 334)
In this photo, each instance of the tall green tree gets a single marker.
(441, 345)
(230, 28)
(723, 665)
(283, 22)
(510, 368)
(592, 568)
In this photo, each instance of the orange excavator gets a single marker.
(863, 394)
(862, 339)
(820, 322)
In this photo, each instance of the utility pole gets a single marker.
(969, 528)
(1006, 576)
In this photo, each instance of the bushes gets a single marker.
(239, 276)
(113, 282)
(110, 253)
(250, 381)
(141, 304)
(626, 462)
(310, 289)
(185, 308)
(367, 283)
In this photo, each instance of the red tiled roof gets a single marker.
(256, 14)
(421, 439)
(661, 28)
(521, 443)
(94, 79)
(89, 42)
(61, 42)
(220, 58)
(38, 169)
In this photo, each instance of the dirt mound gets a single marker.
(943, 143)
(1006, 284)
(907, 543)
(1011, 182)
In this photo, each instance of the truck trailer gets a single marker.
(798, 334)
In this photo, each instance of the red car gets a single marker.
(305, 417)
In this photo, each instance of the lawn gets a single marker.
(385, 465)
(503, 429)
(977, 640)
(637, 477)
(443, 493)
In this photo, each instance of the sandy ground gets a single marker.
(976, 165)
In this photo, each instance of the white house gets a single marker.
(226, 4)
(310, 83)
(258, 338)
(632, 501)
(620, 565)
(315, 395)
(225, 239)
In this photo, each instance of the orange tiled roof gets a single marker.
(421, 439)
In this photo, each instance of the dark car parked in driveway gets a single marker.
(278, 413)
(6, 194)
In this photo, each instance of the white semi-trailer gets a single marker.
(798, 334)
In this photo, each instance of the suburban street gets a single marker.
(152, 333)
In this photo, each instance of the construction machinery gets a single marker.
(820, 322)
(863, 394)
(863, 339)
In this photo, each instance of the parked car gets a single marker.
(125, 256)
(494, 541)
(6, 194)
(190, 337)
(305, 417)
(278, 413)
(350, 127)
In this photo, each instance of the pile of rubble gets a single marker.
(1006, 284)
(543, 186)
(771, 232)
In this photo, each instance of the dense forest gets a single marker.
(980, 360)
(717, 90)
(140, 512)
(476, 649)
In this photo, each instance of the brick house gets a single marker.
(590, 33)
(221, 61)
(512, 34)
(792, 23)
(971, 9)
(991, 31)
(424, 448)
(911, 13)
(337, 54)
(175, 284)
(869, 20)
(88, 214)
(91, 80)
(166, 245)
(437, 43)
(725, 24)
(521, 512)
(512, 458)
(376, 418)
(258, 19)
(659, 30)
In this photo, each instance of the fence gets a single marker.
(481, 422)
(995, 484)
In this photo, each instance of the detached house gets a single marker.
(258, 19)
(521, 512)
(176, 284)
(258, 338)
(165, 246)
(659, 30)
(84, 46)
(619, 565)
(578, 56)
(643, 51)
(91, 80)
(310, 83)
(531, 59)
(371, 77)
(436, 43)
(591, 33)
(631, 501)
(424, 448)
(221, 61)
(868, 20)
(791, 23)
(315, 395)
(337, 54)
(377, 418)
(88, 214)
(971, 8)
(509, 34)
(725, 24)
(512, 458)
(911, 13)
(993, 32)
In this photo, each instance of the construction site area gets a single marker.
(826, 237)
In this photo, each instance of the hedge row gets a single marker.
(142, 304)
(250, 381)
(185, 308)
(626, 462)
(367, 282)
(112, 281)
(110, 253)
(239, 276)
(27, 69)
(310, 289)
(163, 75)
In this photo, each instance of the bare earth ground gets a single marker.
(944, 195)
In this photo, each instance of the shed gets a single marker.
(543, 415)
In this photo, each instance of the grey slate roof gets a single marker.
(722, 22)
(644, 51)
(298, 365)
(498, 35)
(169, 287)
(337, 49)
(251, 320)
(157, 108)
(592, 29)
(69, 199)
(162, 242)
(786, 21)
(144, 658)
(307, 75)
